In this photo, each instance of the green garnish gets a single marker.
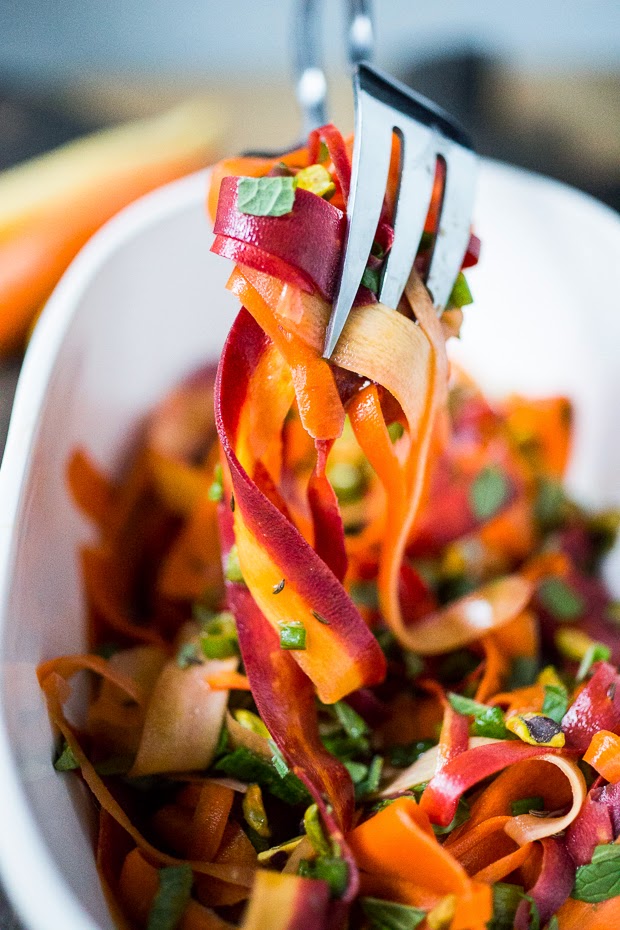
(525, 805)
(351, 722)
(233, 566)
(216, 491)
(330, 869)
(489, 492)
(506, 900)
(175, 885)
(600, 880)
(560, 599)
(248, 767)
(488, 721)
(523, 672)
(461, 295)
(266, 196)
(387, 915)
(371, 279)
(550, 505)
(596, 652)
(292, 635)
(277, 759)
(66, 761)
(403, 756)
(370, 781)
(219, 637)
(555, 704)
(395, 430)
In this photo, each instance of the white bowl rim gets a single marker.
(51, 903)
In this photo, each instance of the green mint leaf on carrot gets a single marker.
(265, 196)
(557, 596)
(387, 915)
(600, 880)
(555, 704)
(461, 294)
(175, 885)
(488, 492)
(488, 721)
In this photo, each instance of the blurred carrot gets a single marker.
(51, 205)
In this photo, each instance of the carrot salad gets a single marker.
(352, 661)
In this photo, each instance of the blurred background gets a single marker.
(537, 83)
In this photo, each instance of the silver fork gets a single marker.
(384, 106)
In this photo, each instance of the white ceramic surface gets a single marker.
(142, 305)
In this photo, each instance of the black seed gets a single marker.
(320, 617)
(232, 502)
(278, 587)
(542, 729)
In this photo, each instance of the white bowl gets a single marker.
(143, 304)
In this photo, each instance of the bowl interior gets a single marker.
(143, 305)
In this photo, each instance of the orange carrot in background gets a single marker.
(51, 205)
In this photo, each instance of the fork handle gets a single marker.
(310, 81)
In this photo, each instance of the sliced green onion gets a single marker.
(292, 635)
(233, 567)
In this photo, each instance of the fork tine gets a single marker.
(454, 220)
(371, 162)
(414, 196)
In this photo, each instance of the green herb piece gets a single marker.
(188, 655)
(596, 652)
(250, 768)
(351, 722)
(233, 567)
(323, 153)
(357, 770)
(525, 805)
(600, 880)
(219, 637)
(403, 756)
(506, 900)
(550, 505)
(488, 721)
(329, 869)
(553, 924)
(66, 761)
(344, 747)
(314, 831)
(461, 815)
(387, 915)
(555, 704)
(278, 760)
(560, 599)
(266, 196)
(395, 430)
(461, 295)
(222, 742)
(277, 588)
(369, 784)
(292, 635)
(523, 672)
(371, 279)
(175, 886)
(488, 492)
(216, 490)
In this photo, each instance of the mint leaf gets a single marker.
(175, 885)
(387, 915)
(597, 652)
(600, 880)
(370, 279)
(265, 196)
(560, 599)
(351, 722)
(488, 492)
(488, 721)
(248, 767)
(461, 294)
(555, 704)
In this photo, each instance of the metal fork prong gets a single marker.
(454, 221)
(371, 161)
(418, 162)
